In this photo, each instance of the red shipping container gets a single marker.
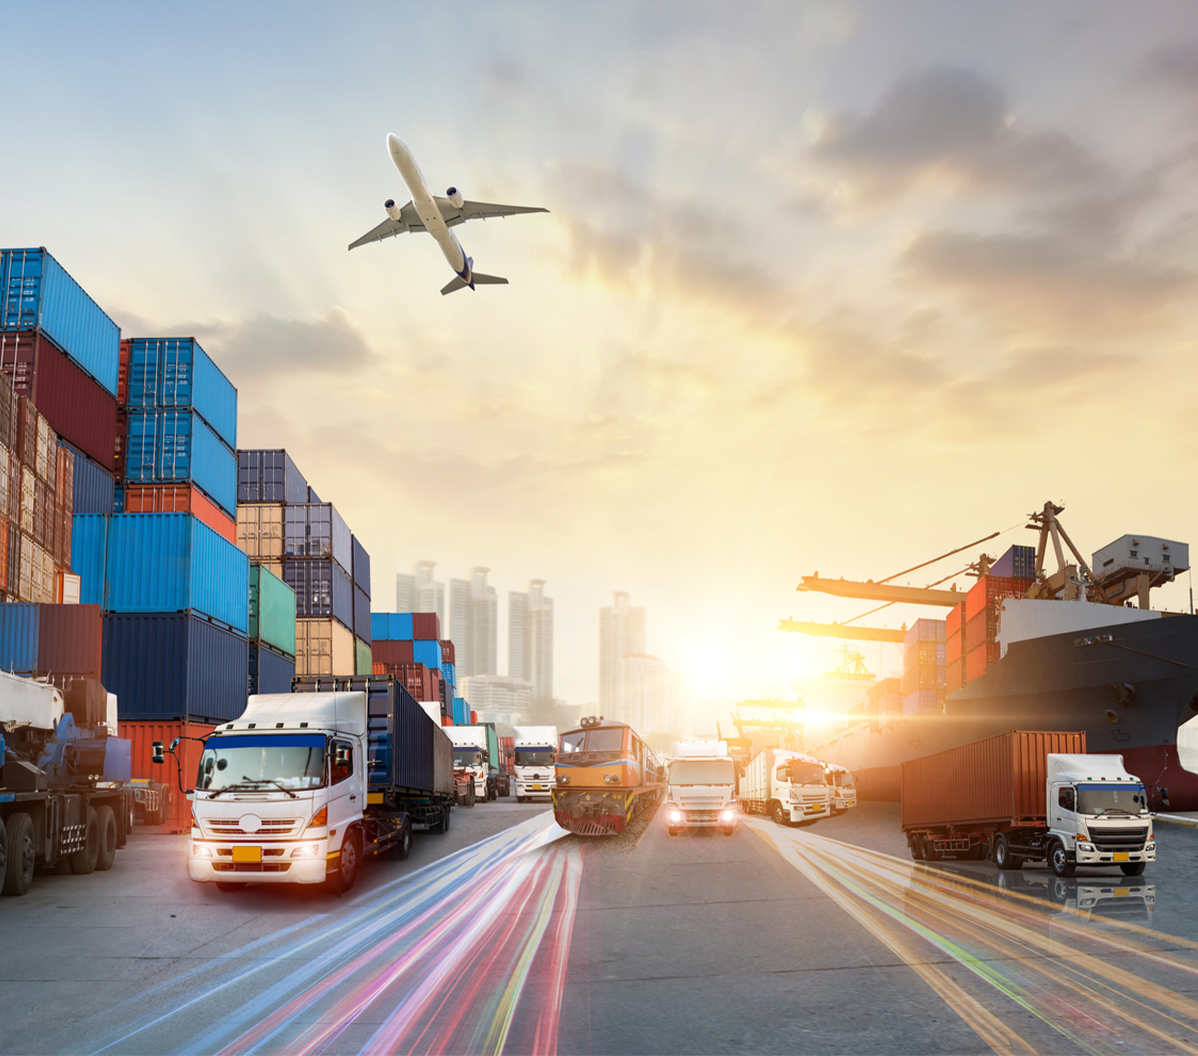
(954, 673)
(392, 652)
(952, 648)
(975, 663)
(446, 720)
(180, 498)
(989, 590)
(143, 735)
(447, 652)
(426, 627)
(474, 718)
(122, 373)
(954, 620)
(76, 405)
(70, 639)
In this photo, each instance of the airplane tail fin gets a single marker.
(489, 280)
(456, 283)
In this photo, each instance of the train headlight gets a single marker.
(563, 779)
(611, 779)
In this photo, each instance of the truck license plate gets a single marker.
(1121, 856)
(247, 854)
(534, 788)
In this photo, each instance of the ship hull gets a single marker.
(1128, 695)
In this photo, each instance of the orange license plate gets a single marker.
(247, 854)
(1121, 856)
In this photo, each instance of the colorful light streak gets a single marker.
(465, 955)
(1026, 975)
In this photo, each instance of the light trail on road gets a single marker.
(466, 955)
(1028, 976)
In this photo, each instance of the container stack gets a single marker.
(271, 632)
(923, 684)
(1019, 562)
(60, 643)
(408, 645)
(954, 654)
(983, 605)
(282, 524)
(884, 704)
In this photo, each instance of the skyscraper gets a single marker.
(430, 593)
(519, 658)
(405, 592)
(461, 624)
(643, 693)
(621, 633)
(540, 640)
(484, 631)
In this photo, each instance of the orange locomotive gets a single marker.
(606, 775)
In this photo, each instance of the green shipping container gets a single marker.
(363, 662)
(272, 610)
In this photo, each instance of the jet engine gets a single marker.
(393, 210)
(455, 196)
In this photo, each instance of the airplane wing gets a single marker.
(480, 211)
(409, 221)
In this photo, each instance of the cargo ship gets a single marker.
(1127, 676)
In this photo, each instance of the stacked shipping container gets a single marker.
(983, 606)
(924, 667)
(272, 632)
(408, 645)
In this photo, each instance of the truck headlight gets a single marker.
(675, 817)
(728, 817)
(200, 850)
(1082, 845)
(306, 850)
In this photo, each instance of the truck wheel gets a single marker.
(106, 845)
(470, 797)
(1003, 857)
(18, 873)
(442, 825)
(403, 848)
(916, 845)
(930, 854)
(83, 861)
(780, 815)
(228, 885)
(1058, 860)
(347, 864)
(1132, 868)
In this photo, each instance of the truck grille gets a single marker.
(270, 827)
(251, 867)
(1108, 840)
(708, 816)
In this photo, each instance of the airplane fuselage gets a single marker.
(426, 208)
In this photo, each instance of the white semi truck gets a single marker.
(788, 786)
(842, 787)
(476, 758)
(701, 779)
(536, 752)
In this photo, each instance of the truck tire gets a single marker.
(18, 872)
(1058, 860)
(442, 825)
(916, 845)
(83, 861)
(107, 841)
(930, 854)
(347, 864)
(1003, 857)
(780, 815)
(1132, 868)
(403, 848)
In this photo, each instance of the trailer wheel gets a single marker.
(1132, 868)
(442, 825)
(1058, 860)
(83, 861)
(106, 845)
(18, 872)
(915, 843)
(930, 854)
(1003, 857)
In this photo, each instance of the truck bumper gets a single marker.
(535, 789)
(806, 811)
(1108, 858)
(276, 866)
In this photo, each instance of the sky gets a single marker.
(833, 286)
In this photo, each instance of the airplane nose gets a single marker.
(394, 144)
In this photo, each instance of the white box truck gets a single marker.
(536, 752)
(842, 786)
(701, 779)
(788, 786)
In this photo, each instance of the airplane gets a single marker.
(436, 215)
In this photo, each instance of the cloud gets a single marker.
(1171, 64)
(332, 344)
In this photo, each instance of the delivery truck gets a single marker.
(701, 787)
(842, 786)
(305, 786)
(65, 797)
(788, 786)
(536, 750)
(1028, 796)
(476, 756)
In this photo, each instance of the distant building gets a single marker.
(405, 592)
(519, 652)
(484, 630)
(430, 593)
(461, 625)
(530, 637)
(497, 698)
(622, 632)
(643, 693)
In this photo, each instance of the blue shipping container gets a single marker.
(93, 489)
(450, 673)
(89, 549)
(362, 616)
(172, 562)
(361, 569)
(174, 666)
(165, 446)
(391, 626)
(322, 589)
(317, 530)
(37, 293)
(427, 653)
(269, 671)
(20, 624)
(176, 372)
(269, 476)
(461, 712)
(924, 631)
(1019, 562)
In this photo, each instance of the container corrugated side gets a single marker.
(143, 734)
(177, 372)
(391, 626)
(269, 475)
(92, 488)
(178, 498)
(36, 292)
(172, 562)
(363, 664)
(20, 627)
(270, 671)
(427, 653)
(70, 639)
(426, 626)
(260, 530)
(322, 588)
(174, 666)
(361, 565)
(998, 779)
(89, 549)
(317, 530)
(362, 619)
(272, 610)
(167, 446)
(323, 647)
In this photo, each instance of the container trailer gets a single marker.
(65, 796)
(701, 793)
(786, 785)
(1028, 795)
(306, 786)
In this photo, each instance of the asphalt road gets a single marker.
(505, 935)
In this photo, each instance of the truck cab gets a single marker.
(789, 786)
(471, 758)
(701, 792)
(535, 755)
(1097, 815)
(841, 787)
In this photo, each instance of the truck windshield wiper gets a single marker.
(268, 780)
(214, 792)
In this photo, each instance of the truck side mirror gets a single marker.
(159, 755)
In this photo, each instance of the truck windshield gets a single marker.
(804, 773)
(1111, 799)
(467, 756)
(702, 772)
(534, 756)
(290, 760)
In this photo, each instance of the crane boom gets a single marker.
(842, 630)
(869, 591)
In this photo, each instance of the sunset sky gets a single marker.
(823, 286)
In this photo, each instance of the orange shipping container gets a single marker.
(952, 649)
(975, 663)
(180, 498)
(143, 735)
